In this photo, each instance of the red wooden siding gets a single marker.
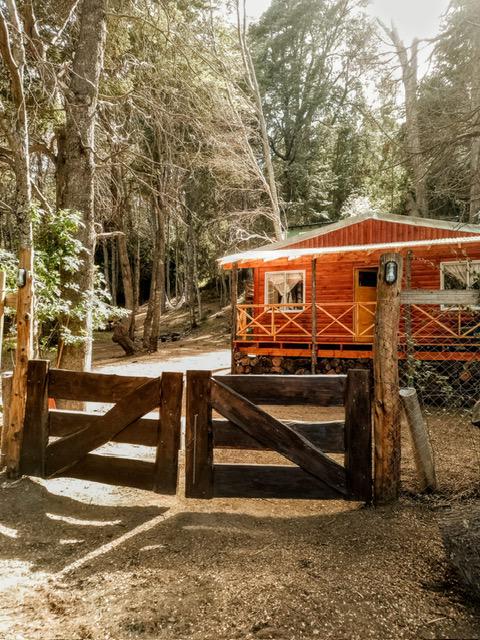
(375, 231)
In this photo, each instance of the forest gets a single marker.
(143, 140)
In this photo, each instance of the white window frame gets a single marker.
(304, 277)
(447, 307)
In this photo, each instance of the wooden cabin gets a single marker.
(314, 294)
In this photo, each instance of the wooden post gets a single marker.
(35, 429)
(166, 462)
(408, 321)
(7, 379)
(3, 293)
(358, 435)
(14, 433)
(198, 436)
(233, 299)
(386, 418)
(314, 315)
(422, 447)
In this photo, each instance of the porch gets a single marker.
(346, 330)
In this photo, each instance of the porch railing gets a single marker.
(353, 322)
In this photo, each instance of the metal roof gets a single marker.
(372, 215)
(268, 255)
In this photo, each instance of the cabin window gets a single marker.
(285, 288)
(460, 275)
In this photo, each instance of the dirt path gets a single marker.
(82, 560)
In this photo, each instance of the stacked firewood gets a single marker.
(244, 363)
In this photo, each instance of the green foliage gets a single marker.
(58, 253)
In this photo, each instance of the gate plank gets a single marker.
(65, 452)
(358, 435)
(321, 390)
(327, 436)
(268, 481)
(63, 422)
(121, 472)
(198, 437)
(166, 462)
(35, 426)
(278, 436)
(91, 387)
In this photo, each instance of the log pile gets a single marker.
(461, 538)
(244, 364)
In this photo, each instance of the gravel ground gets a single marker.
(81, 560)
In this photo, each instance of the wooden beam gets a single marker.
(24, 352)
(386, 398)
(35, 429)
(268, 481)
(358, 435)
(120, 472)
(457, 297)
(63, 422)
(422, 448)
(314, 316)
(198, 436)
(321, 390)
(233, 303)
(91, 387)
(166, 461)
(327, 436)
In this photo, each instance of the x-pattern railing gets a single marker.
(354, 321)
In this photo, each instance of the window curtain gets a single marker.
(455, 275)
(283, 282)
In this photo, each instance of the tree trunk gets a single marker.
(474, 211)
(158, 300)
(409, 66)
(76, 172)
(12, 51)
(252, 82)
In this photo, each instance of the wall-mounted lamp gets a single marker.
(391, 272)
(21, 278)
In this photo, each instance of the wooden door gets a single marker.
(365, 297)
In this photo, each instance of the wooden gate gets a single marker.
(59, 442)
(244, 425)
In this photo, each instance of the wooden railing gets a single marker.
(352, 322)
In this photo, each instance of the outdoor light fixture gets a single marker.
(391, 272)
(21, 278)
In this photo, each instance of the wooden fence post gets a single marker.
(386, 415)
(24, 351)
(233, 302)
(35, 428)
(7, 379)
(166, 462)
(314, 315)
(3, 292)
(198, 436)
(358, 435)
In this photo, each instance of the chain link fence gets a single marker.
(441, 360)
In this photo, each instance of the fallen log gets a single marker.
(460, 532)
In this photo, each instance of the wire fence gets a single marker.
(441, 360)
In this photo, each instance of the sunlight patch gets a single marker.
(85, 523)
(6, 531)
